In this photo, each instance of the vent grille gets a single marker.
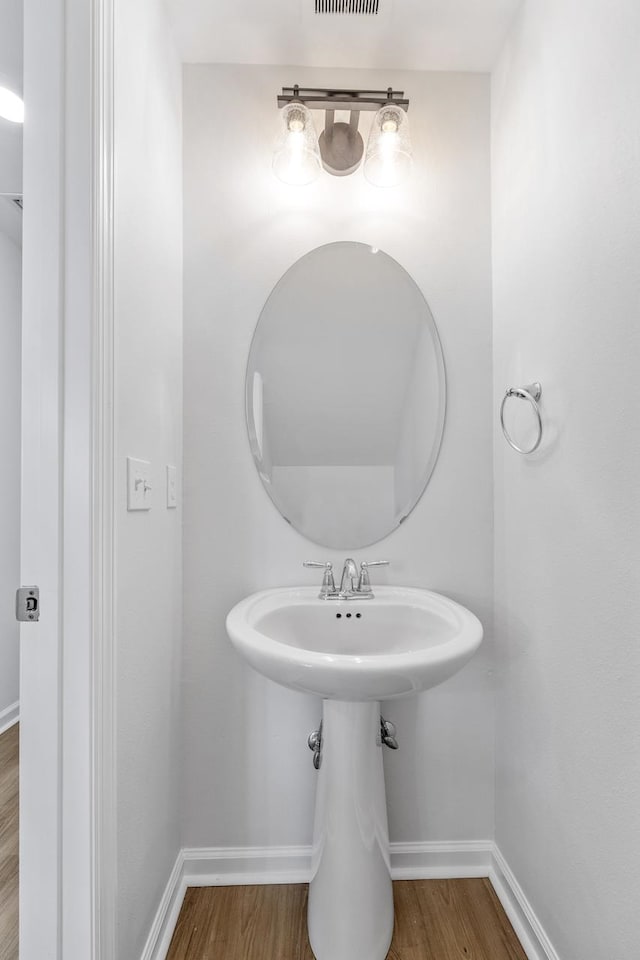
(367, 7)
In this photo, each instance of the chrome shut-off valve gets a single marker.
(315, 745)
(388, 734)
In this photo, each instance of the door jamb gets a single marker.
(104, 598)
(103, 492)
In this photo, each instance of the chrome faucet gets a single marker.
(353, 585)
(349, 577)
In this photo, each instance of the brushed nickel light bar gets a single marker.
(321, 98)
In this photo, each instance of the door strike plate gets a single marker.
(28, 604)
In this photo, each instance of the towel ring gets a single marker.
(532, 393)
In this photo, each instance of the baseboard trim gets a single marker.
(166, 918)
(227, 866)
(9, 716)
(240, 866)
(441, 860)
(530, 932)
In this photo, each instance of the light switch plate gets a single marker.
(139, 484)
(172, 489)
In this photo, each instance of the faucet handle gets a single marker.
(328, 583)
(364, 583)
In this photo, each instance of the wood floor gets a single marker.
(435, 920)
(9, 843)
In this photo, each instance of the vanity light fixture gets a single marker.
(11, 106)
(299, 155)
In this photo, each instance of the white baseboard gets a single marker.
(529, 930)
(225, 866)
(9, 716)
(166, 918)
(441, 860)
(239, 866)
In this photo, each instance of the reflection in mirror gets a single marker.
(345, 395)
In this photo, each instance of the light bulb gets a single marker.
(388, 122)
(11, 106)
(295, 121)
(388, 158)
(296, 158)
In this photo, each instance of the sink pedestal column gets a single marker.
(350, 913)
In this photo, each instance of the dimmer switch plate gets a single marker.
(172, 489)
(139, 484)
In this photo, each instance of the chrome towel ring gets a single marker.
(532, 393)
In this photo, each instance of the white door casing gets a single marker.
(41, 535)
(66, 771)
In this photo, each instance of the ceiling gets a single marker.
(405, 34)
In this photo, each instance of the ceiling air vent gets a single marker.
(347, 6)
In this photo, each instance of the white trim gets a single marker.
(42, 524)
(240, 866)
(441, 860)
(104, 832)
(231, 866)
(66, 858)
(228, 866)
(530, 932)
(166, 918)
(9, 716)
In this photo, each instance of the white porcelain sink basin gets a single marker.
(400, 642)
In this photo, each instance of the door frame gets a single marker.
(67, 771)
(104, 834)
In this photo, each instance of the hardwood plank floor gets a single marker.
(435, 920)
(9, 749)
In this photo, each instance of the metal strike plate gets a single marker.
(28, 604)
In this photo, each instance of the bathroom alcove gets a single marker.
(504, 227)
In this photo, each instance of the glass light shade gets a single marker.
(11, 106)
(296, 158)
(388, 160)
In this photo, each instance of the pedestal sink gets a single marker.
(353, 654)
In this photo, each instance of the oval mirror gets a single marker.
(345, 395)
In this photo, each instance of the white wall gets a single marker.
(566, 189)
(248, 777)
(10, 306)
(148, 291)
